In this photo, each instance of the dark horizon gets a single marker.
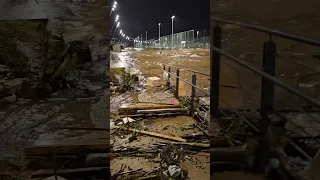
(139, 16)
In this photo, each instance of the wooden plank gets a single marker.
(202, 145)
(171, 110)
(79, 172)
(68, 146)
(154, 134)
(146, 106)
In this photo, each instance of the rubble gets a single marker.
(153, 81)
(174, 171)
(14, 86)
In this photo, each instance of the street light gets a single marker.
(198, 36)
(116, 20)
(172, 17)
(118, 24)
(114, 7)
(159, 33)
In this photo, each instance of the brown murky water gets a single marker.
(293, 59)
(149, 63)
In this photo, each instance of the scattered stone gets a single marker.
(194, 55)
(153, 82)
(127, 119)
(174, 171)
(164, 165)
(4, 69)
(10, 99)
(116, 48)
(13, 86)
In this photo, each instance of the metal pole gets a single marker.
(169, 75)
(159, 34)
(177, 83)
(193, 94)
(172, 35)
(197, 36)
(141, 41)
(215, 74)
(267, 103)
(114, 32)
(193, 37)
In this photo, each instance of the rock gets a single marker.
(127, 119)
(35, 91)
(98, 159)
(10, 99)
(4, 69)
(14, 85)
(174, 171)
(116, 48)
(194, 55)
(153, 82)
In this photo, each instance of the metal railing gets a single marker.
(268, 81)
(194, 88)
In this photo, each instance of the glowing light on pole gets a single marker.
(118, 24)
(172, 17)
(159, 33)
(114, 7)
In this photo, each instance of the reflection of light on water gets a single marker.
(124, 60)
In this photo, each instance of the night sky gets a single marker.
(139, 16)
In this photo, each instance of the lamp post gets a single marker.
(197, 36)
(141, 41)
(118, 24)
(159, 34)
(114, 7)
(146, 38)
(172, 17)
(116, 20)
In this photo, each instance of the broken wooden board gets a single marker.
(202, 145)
(137, 107)
(79, 172)
(68, 146)
(154, 134)
(169, 110)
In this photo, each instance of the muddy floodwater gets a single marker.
(148, 64)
